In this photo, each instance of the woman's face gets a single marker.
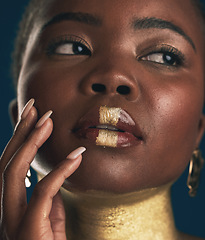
(144, 60)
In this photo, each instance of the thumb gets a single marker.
(57, 216)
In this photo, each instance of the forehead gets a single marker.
(117, 13)
(127, 8)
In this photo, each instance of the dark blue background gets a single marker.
(189, 212)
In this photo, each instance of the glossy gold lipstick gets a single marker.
(107, 138)
(108, 116)
(108, 127)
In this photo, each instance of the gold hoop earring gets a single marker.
(195, 167)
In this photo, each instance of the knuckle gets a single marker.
(7, 172)
(9, 176)
(36, 146)
(11, 171)
(20, 129)
(39, 190)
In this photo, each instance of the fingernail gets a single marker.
(42, 120)
(27, 108)
(76, 153)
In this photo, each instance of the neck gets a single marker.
(141, 215)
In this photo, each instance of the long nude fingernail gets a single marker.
(27, 108)
(42, 120)
(76, 153)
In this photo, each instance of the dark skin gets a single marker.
(165, 100)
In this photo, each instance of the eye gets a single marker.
(70, 48)
(163, 58)
(166, 55)
(68, 45)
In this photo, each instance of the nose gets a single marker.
(109, 79)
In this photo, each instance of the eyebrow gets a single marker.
(146, 23)
(138, 23)
(75, 16)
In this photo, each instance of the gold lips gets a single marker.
(108, 116)
(107, 138)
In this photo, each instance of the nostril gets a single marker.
(97, 87)
(124, 90)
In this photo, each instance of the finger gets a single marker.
(24, 127)
(40, 205)
(21, 132)
(14, 191)
(57, 217)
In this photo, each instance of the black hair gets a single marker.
(36, 8)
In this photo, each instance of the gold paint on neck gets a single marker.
(107, 138)
(143, 215)
(109, 115)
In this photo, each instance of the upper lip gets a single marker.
(125, 123)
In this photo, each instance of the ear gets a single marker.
(13, 112)
(200, 130)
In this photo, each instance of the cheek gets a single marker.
(176, 113)
(182, 111)
(57, 91)
(50, 88)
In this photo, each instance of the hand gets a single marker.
(44, 217)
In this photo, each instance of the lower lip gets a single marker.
(108, 138)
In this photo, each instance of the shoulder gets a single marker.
(185, 236)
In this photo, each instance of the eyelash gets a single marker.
(176, 55)
(54, 44)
